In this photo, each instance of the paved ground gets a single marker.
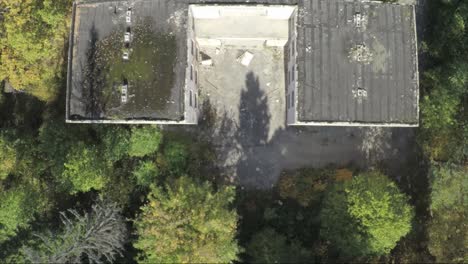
(247, 125)
(253, 145)
(248, 158)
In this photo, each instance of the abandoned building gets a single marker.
(332, 62)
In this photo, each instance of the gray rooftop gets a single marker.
(331, 86)
(328, 80)
(155, 71)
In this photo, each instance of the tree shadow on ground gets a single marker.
(254, 116)
(252, 133)
(93, 79)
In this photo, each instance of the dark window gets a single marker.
(292, 48)
(196, 77)
(192, 46)
(287, 77)
(292, 99)
(287, 101)
(195, 100)
(191, 72)
(190, 98)
(293, 74)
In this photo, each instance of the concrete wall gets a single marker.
(191, 77)
(242, 25)
(291, 71)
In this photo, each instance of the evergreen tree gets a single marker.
(94, 237)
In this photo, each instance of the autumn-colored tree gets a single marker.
(365, 216)
(32, 43)
(188, 222)
(304, 185)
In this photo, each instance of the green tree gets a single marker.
(188, 222)
(115, 143)
(268, 246)
(146, 173)
(144, 141)
(84, 170)
(176, 156)
(56, 140)
(7, 157)
(97, 237)
(18, 207)
(444, 86)
(32, 42)
(365, 216)
(448, 228)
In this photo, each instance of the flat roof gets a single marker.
(330, 86)
(333, 88)
(152, 80)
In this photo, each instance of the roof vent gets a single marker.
(360, 20)
(359, 94)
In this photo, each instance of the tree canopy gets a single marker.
(444, 84)
(304, 185)
(7, 157)
(448, 228)
(18, 207)
(365, 216)
(32, 44)
(144, 140)
(268, 246)
(97, 237)
(188, 222)
(84, 170)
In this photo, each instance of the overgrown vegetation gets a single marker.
(188, 222)
(102, 193)
(444, 131)
(32, 44)
(444, 114)
(152, 57)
